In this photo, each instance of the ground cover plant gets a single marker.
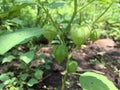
(40, 39)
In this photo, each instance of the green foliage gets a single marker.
(23, 76)
(14, 11)
(38, 74)
(8, 59)
(93, 81)
(64, 22)
(95, 34)
(9, 40)
(4, 77)
(9, 80)
(28, 14)
(27, 57)
(115, 33)
(32, 81)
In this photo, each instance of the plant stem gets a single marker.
(73, 16)
(66, 73)
(102, 14)
(79, 10)
(54, 23)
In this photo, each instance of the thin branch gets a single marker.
(73, 16)
(102, 14)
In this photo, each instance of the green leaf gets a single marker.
(38, 74)
(27, 57)
(1, 86)
(7, 82)
(32, 81)
(9, 40)
(24, 76)
(4, 77)
(8, 59)
(17, 21)
(94, 81)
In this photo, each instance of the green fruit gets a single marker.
(79, 34)
(60, 52)
(95, 34)
(72, 66)
(50, 32)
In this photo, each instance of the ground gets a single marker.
(90, 58)
(102, 60)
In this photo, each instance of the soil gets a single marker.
(91, 57)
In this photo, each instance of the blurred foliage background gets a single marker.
(16, 14)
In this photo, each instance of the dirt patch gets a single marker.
(90, 58)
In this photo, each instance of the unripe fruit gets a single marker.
(60, 52)
(95, 34)
(50, 32)
(72, 66)
(79, 34)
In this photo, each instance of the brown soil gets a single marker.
(102, 60)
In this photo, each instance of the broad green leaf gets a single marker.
(94, 81)
(8, 59)
(32, 81)
(9, 40)
(27, 57)
(38, 74)
(4, 77)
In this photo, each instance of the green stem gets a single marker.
(66, 73)
(47, 12)
(102, 14)
(70, 55)
(85, 6)
(54, 23)
(73, 16)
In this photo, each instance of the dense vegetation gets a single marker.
(65, 25)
